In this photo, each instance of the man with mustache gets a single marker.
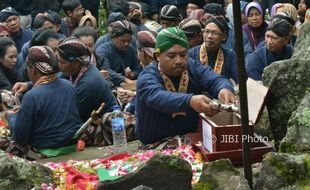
(222, 60)
(118, 56)
(169, 91)
(11, 18)
(274, 48)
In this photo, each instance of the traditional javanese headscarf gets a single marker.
(146, 41)
(115, 16)
(220, 22)
(6, 13)
(214, 9)
(169, 37)
(280, 26)
(190, 26)
(42, 58)
(72, 48)
(120, 28)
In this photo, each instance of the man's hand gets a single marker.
(20, 88)
(105, 74)
(201, 104)
(226, 96)
(124, 95)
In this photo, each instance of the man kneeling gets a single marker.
(48, 117)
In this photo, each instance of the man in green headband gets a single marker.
(170, 91)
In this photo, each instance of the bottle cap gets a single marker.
(116, 107)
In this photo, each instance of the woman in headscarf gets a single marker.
(88, 20)
(48, 117)
(256, 26)
(4, 31)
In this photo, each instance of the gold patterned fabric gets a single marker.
(45, 79)
(183, 85)
(203, 57)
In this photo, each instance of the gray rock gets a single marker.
(302, 48)
(288, 81)
(263, 127)
(161, 172)
(297, 139)
(284, 171)
(221, 175)
(17, 173)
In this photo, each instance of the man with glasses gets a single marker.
(223, 61)
(11, 18)
(74, 12)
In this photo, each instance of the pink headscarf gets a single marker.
(274, 9)
(197, 14)
(3, 28)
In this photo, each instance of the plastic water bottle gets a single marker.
(118, 130)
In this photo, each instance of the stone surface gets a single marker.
(284, 171)
(263, 127)
(17, 173)
(161, 172)
(221, 175)
(297, 139)
(288, 81)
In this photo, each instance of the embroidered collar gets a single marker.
(79, 76)
(203, 57)
(45, 79)
(183, 85)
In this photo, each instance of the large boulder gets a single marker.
(297, 139)
(161, 172)
(288, 81)
(17, 173)
(221, 175)
(284, 171)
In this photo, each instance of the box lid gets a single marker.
(257, 94)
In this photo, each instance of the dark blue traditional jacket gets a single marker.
(155, 105)
(229, 69)
(262, 57)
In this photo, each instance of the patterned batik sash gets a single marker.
(79, 76)
(203, 57)
(183, 85)
(45, 79)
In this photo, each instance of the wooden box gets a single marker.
(258, 149)
(223, 132)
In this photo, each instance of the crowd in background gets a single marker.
(97, 67)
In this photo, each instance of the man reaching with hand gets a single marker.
(169, 91)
